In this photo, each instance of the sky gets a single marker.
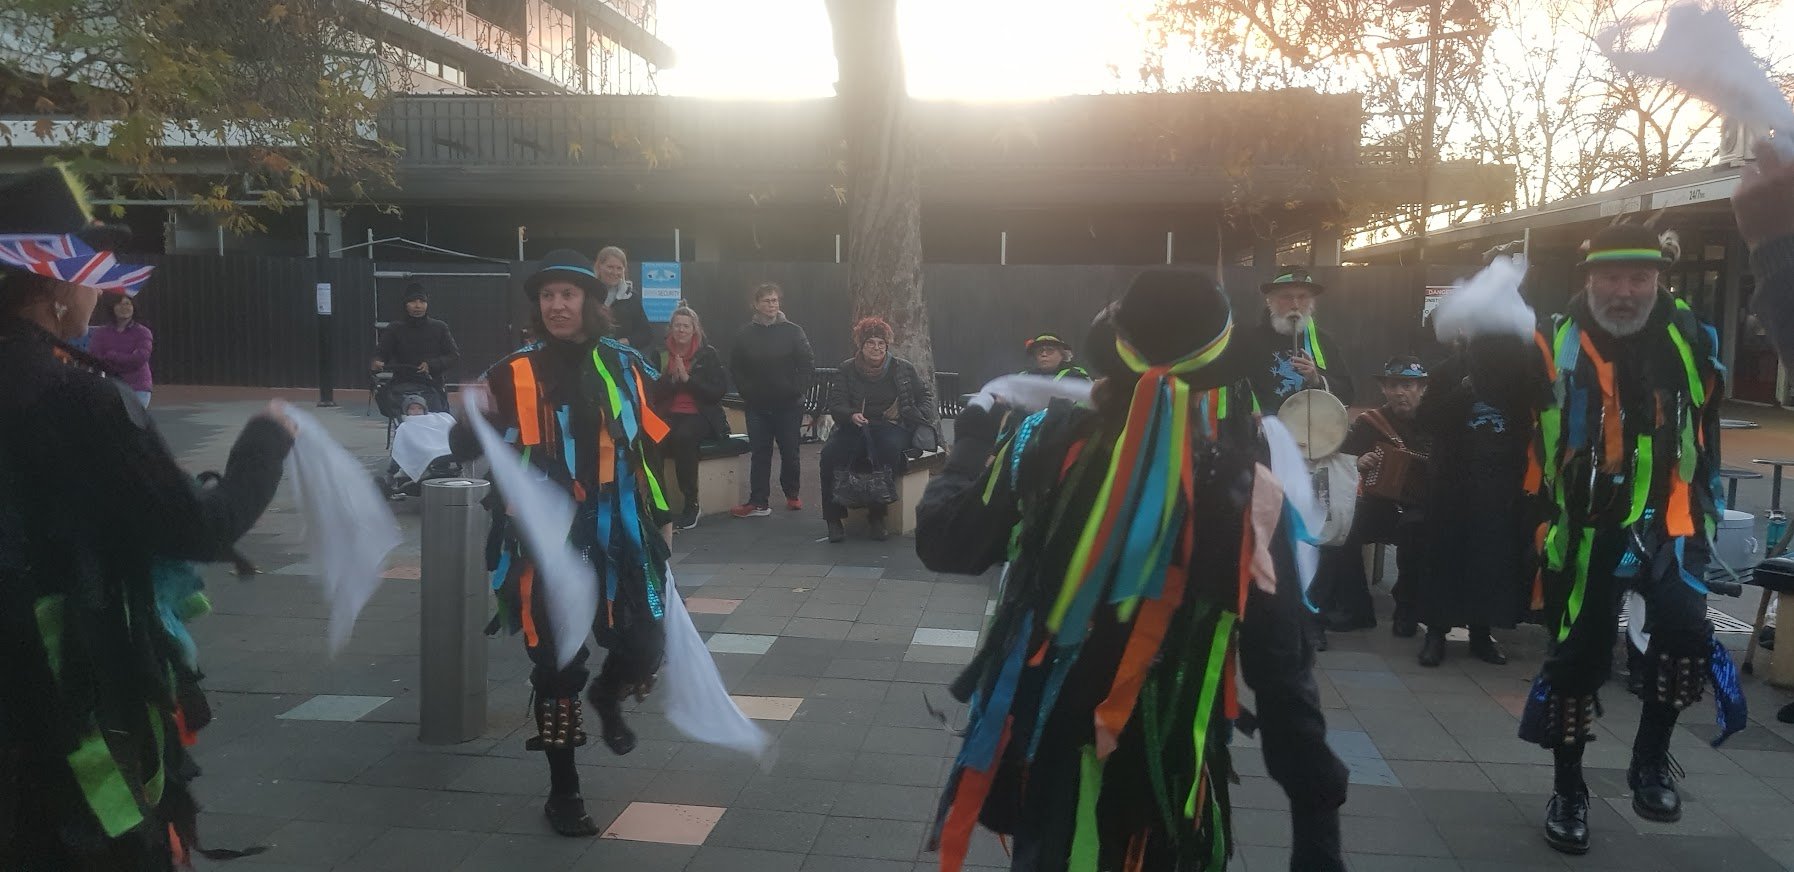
(953, 49)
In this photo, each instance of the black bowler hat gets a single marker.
(1404, 366)
(1292, 275)
(564, 265)
(49, 201)
(1625, 244)
(1169, 314)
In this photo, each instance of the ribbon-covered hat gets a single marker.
(1293, 275)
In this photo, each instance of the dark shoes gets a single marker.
(1654, 795)
(688, 518)
(836, 532)
(607, 699)
(1319, 637)
(1484, 647)
(1786, 715)
(567, 815)
(1402, 624)
(1566, 822)
(1432, 649)
(876, 528)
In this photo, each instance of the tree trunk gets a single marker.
(884, 186)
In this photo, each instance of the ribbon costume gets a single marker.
(576, 410)
(99, 527)
(1626, 460)
(1151, 558)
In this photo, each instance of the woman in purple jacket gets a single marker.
(124, 346)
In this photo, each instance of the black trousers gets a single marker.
(1676, 610)
(685, 433)
(766, 426)
(1277, 662)
(1340, 584)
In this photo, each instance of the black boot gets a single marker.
(688, 518)
(1402, 625)
(1484, 647)
(1319, 636)
(836, 531)
(1786, 715)
(1651, 776)
(566, 809)
(1432, 648)
(875, 524)
(1566, 815)
(606, 696)
(1566, 822)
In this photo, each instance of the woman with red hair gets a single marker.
(878, 402)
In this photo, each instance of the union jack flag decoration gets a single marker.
(66, 258)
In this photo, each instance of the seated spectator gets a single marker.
(878, 402)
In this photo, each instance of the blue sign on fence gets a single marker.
(660, 290)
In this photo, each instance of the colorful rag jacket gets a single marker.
(580, 416)
(1629, 435)
(99, 531)
(1102, 696)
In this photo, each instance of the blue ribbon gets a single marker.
(980, 749)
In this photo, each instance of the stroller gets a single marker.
(417, 434)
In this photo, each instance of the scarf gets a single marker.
(762, 320)
(679, 360)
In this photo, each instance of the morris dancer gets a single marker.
(99, 697)
(1147, 538)
(1625, 391)
(575, 405)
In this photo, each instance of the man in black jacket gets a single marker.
(772, 365)
(419, 345)
(1287, 351)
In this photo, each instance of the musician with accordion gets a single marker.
(1391, 451)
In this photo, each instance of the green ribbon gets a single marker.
(1205, 703)
(1086, 840)
(1573, 609)
(1642, 464)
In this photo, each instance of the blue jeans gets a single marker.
(764, 427)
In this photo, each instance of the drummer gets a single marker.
(1287, 351)
(1341, 590)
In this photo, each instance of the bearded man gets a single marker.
(1288, 352)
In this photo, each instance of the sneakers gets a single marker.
(795, 504)
(749, 510)
(688, 518)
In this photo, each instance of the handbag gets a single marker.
(1402, 474)
(925, 438)
(861, 489)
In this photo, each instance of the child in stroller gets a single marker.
(418, 436)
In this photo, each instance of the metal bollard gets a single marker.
(452, 693)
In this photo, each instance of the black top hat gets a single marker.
(50, 201)
(1293, 275)
(1625, 244)
(565, 265)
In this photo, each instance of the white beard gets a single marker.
(1616, 328)
(1287, 326)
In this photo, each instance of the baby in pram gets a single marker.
(420, 449)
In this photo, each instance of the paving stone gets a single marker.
(838, 596)
(756, 684)
(664, 823)
(862, 632)
(891, 615)
(319, 843)
(1446, 775)
(915, 770)
(461, 812)
(850, 688)
(611, 855)
(888, 801)
(940, 654)
(401, 850)
(819, 765)
(816, 628)
(856, 572)
(878, 670)
(779, 793)
(1488, 809)
(804, 570)
(334, 707)
(830, 611)
(863, 650)
(798, 738)
(708, 787)
(910, 740)
(953, 621)
(759, 625)
(822, 863)
(766, 830)
(866, 837)
(724, 859)
(503, 852)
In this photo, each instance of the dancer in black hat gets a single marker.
(1151, 553)
(576, 405)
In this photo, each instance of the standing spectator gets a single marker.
(689, 398)
(878, 402)
(420, 349)
(625, 303)
(772, 364)
(124, 346)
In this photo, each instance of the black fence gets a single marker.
(251, 321)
